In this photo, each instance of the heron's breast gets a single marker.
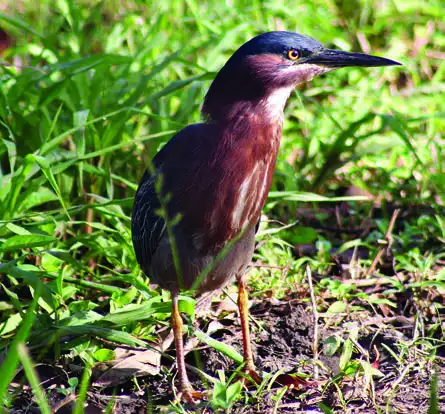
(244, 190)
(250, 196)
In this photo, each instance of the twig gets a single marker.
(315, 313)
(331, 229)
(266, 266)
(387, 243)
(65, 401)
(338, 217)
(370, 282)
(402, 375)
(354, 265)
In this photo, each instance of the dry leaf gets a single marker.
(127, 365)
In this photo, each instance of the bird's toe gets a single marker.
(191, 396)
(251, 375)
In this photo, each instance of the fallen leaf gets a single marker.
(128, 364)
(295, 381)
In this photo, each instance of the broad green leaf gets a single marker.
(10, 324)
(26, 241)
(81, 318)
(103, 355)
(351, 368)
(346, 354)
(331, 345)
(301, 235)
(233, 391)
(337, 307)
(19, 230)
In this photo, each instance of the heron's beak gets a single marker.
(339, 59)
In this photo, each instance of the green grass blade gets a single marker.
(46, 169)
(81, 398)
(50, 145)
(12, 358)
(225, 349)
(33, 378)
(395, 123)
(19, 24)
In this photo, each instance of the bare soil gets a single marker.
(282, 339)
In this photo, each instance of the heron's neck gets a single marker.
(247, 107)
(259, 119)
(274, 103)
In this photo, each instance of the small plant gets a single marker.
(73, 383)
(89, 92)
(225, 394)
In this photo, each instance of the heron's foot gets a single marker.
(190, 395)
(250, 375)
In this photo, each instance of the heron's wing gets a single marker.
(174, 165)
(147, 225)
(257, 226)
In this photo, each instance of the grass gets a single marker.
(89, 91)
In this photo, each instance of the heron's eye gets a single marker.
(293, 54)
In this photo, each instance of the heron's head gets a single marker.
(273, 63)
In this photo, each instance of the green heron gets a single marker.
(196, 212)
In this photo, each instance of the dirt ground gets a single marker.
(282, 339)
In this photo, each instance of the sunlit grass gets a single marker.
(89, 91)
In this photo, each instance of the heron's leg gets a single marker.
(249, 366)
(187, 392)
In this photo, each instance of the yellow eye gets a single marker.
(293, 54)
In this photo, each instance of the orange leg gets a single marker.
(187, 392)
(249, 366)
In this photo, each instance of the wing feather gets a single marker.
(147, 225)
(174, 162)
